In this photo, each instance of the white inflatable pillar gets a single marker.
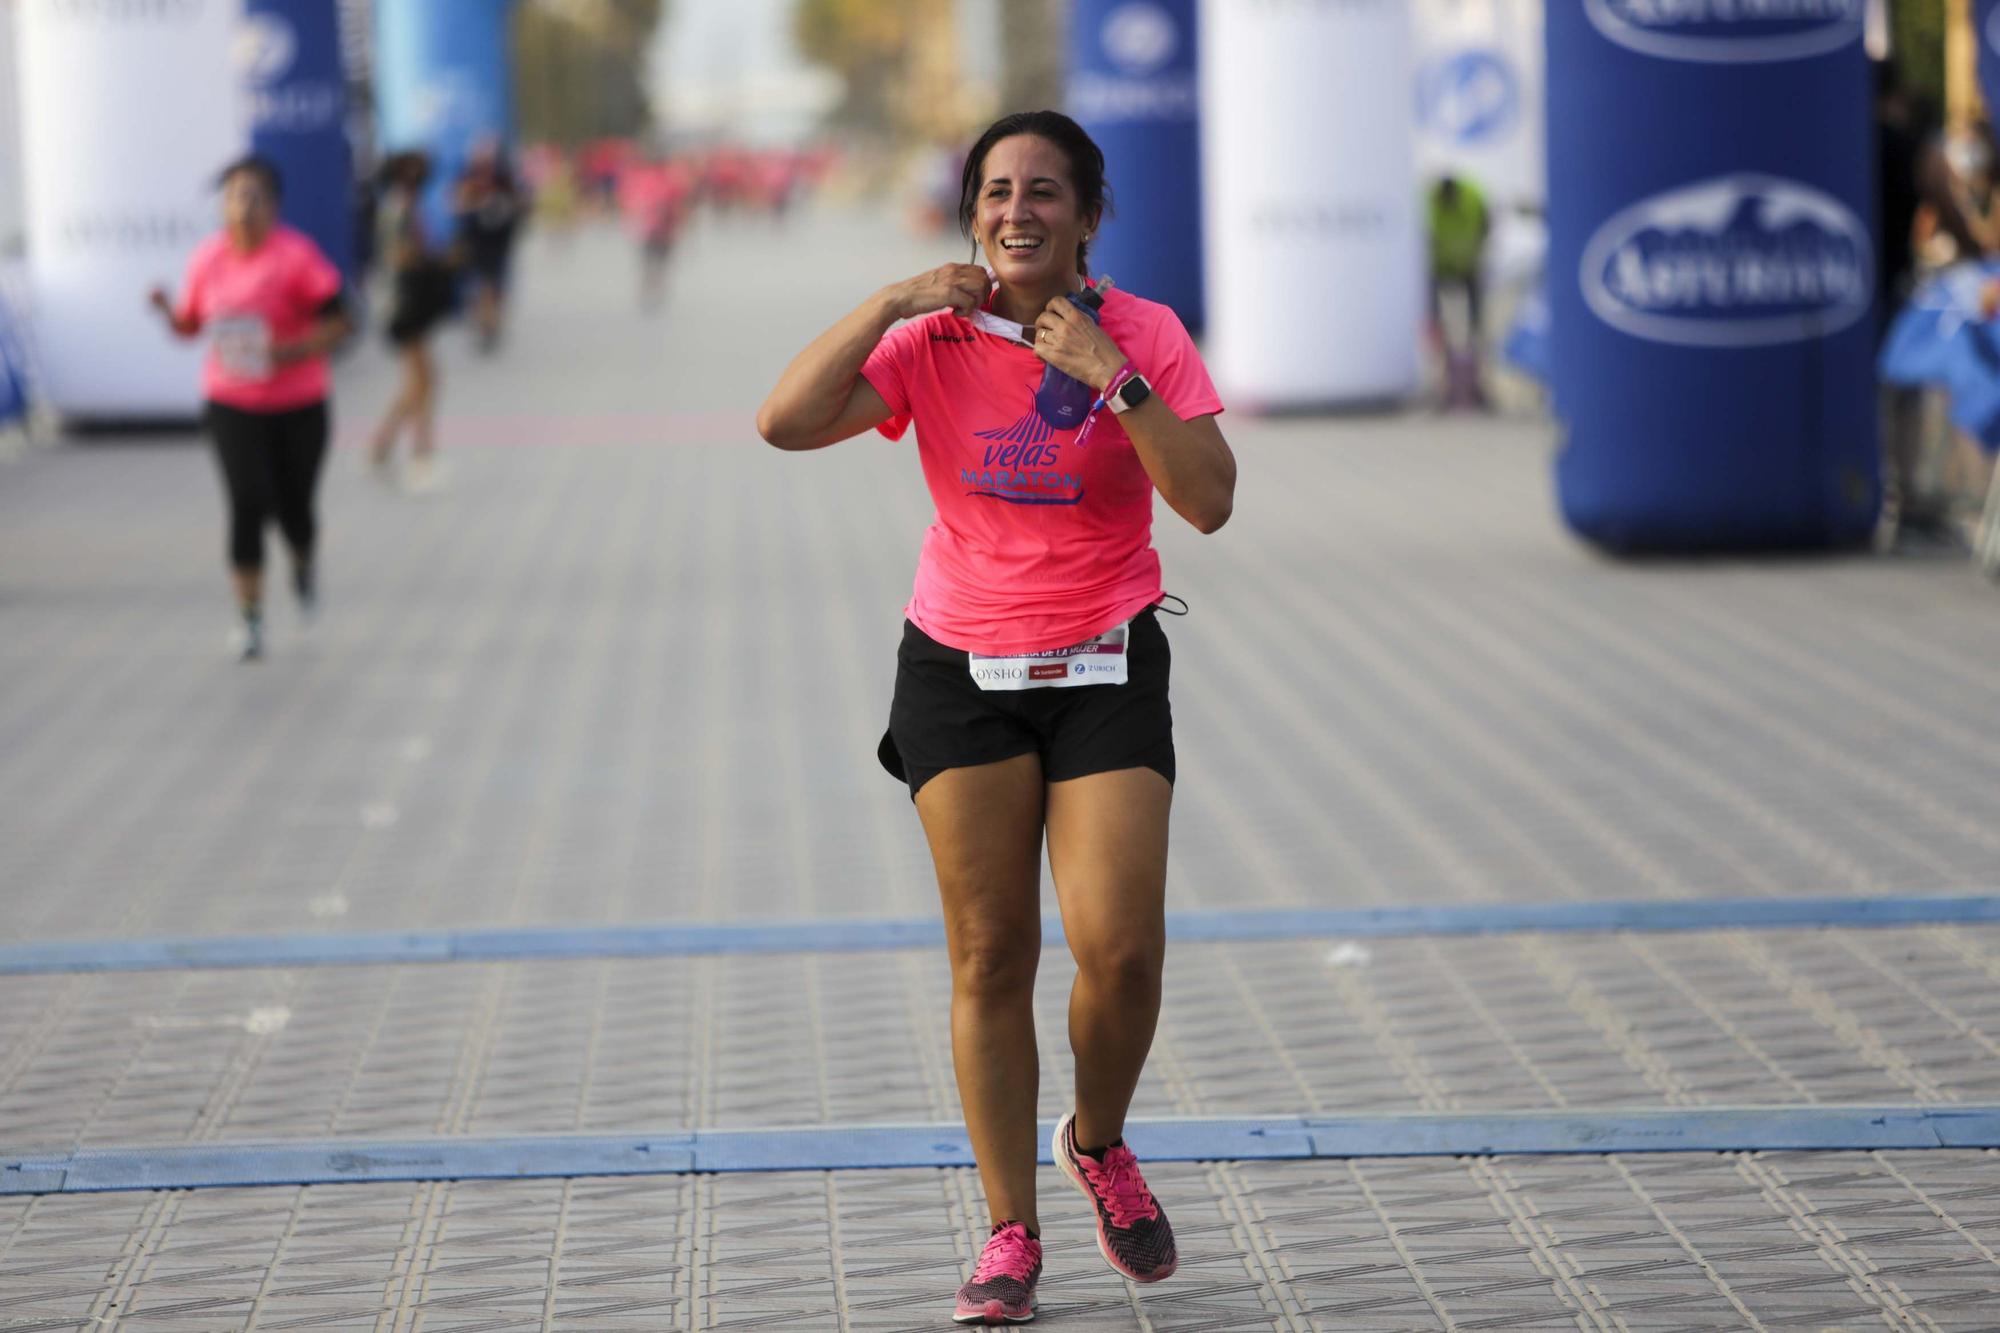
(128, 112)
(1309, 202)
(10, 135)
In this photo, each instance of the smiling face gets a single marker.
(1028, 218)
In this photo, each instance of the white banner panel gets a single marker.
(10, 134)
(1480, 96)
(1309, 199)
(128, 109)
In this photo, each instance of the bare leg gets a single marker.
(985, 829)
(1108, 850)
(486, 314)
(1475, 342)
(249, 586)
(393, 419)
(422, 371)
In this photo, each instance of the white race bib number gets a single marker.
(243, 346)
(1096, 661)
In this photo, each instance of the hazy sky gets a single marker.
(740, 52)
(710, 46)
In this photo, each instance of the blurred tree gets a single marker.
(900, 62)
(1916, 37)
(1034, 54)
(865, 42)
(580, 67)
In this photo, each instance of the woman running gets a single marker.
(1031, 682)
(424, 290)
(271, 303)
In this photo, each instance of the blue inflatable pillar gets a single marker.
(13, 383)
(1986, 42)
(1132, 85)
(290, 51)
(443, 82)
(1711, 274)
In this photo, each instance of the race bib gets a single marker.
(1095, 661)
(243, 346)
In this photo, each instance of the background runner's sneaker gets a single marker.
(1002, 1290)
(1132, 1229)
(247, 639)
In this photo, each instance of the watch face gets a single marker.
(1134, 392)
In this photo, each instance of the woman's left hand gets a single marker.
(1076, 344)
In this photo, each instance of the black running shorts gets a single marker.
(941, 719)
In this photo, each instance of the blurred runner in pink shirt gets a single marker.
(269, 303)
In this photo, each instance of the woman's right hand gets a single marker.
(960, 288)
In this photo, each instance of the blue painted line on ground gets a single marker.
(830, 936)
(879, 1147)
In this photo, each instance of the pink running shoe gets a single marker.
(1132, 1230)
(1002, 1290)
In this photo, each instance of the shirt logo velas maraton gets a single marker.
(1018, 466)
(1021, 474)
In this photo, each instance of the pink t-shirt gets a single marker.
(244, 302)
(1039, 542)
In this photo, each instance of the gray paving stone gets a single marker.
(1413, 1244)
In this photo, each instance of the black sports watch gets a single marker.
(1131, 393)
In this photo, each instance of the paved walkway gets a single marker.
(632, 667)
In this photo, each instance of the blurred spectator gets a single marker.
(551, 188)
(656, 197)
(1929, 211)
(775, 181)
(1459, 226)
(367, 200)
(1913, 175)
(933, 187)
(599, 165)
(728, 178)
(489, 208)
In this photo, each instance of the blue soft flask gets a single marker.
(1063, 402)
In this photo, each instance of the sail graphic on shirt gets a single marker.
(1030, 429)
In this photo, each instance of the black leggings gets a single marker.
(270, 467)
